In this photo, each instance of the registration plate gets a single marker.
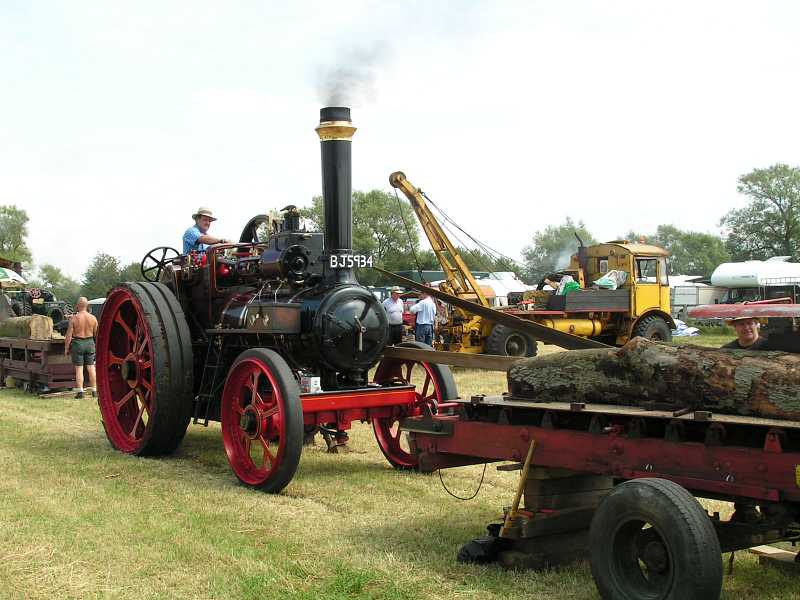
(349, 261)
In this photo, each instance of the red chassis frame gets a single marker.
(345, 407)
(712, 469)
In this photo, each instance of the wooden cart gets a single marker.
(36, 365)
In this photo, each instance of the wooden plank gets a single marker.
(777, 557)
(629, 411)
(453, 359)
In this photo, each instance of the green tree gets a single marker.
(770, 223)
(63, 286)
(552, 247)
(691, 252)
(13, 234)
(102, 274)
(132, 272)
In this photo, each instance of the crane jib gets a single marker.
(539, 332)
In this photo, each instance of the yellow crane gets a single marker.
(463, 332)
(640, 306)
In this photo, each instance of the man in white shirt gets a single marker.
(425, 310)
(394, 310)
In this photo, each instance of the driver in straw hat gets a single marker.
(196, 238)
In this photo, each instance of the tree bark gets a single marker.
(765, 384)
(33, 327)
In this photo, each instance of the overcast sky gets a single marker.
(119, 119)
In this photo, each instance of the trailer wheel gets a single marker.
(434, 384)
(262, 420)
(27, 307)
(504, 341)
(654, 328)
(651, 539)
(144, 369)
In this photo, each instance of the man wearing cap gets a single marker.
(196, 238)
(394, 310)
(747, 335)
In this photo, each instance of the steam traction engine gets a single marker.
(228, 334)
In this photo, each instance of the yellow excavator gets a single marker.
(640, 306)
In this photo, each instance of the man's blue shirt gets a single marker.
(191, 240)
(425, 310)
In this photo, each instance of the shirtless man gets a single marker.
(79, 340)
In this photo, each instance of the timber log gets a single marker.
(641, 373)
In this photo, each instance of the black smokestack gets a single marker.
(336, 133)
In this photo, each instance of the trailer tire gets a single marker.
(504, 341)
(653, 328)
(56, 315)
(27, 307)
(261, 410)
(676, 558)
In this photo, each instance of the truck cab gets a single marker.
(639, 304)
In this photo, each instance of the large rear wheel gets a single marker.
(434, 384)
(144, 369)
(262, 420)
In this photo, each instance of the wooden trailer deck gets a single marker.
(36, 365)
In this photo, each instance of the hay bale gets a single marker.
(33, 327)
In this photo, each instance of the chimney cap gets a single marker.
(334, 113)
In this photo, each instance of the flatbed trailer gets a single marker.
(36, 365)
(621, 481)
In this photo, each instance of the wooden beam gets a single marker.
(486, 362)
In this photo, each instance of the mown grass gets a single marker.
(79, 520)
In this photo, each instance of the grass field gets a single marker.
(78, 519)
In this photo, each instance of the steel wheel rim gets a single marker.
(252, 418)
(387, 429)
(126, 376)
(642, 559)
(516, 345)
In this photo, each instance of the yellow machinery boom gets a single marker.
(458, 277)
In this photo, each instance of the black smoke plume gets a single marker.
(352, 78)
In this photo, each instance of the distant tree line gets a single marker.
(387, 229)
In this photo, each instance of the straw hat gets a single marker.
(204, 211)
(394, 289)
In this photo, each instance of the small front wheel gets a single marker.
(651, 540)
(262, 420)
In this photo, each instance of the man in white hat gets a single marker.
(196, 238)
(394, 311)
(747, 334)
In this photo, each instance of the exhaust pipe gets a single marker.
(335, 132)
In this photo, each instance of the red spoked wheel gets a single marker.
(144, 369)
(262, 420)
(434, 384)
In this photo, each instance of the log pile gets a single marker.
(764, 384)
(33, 327)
